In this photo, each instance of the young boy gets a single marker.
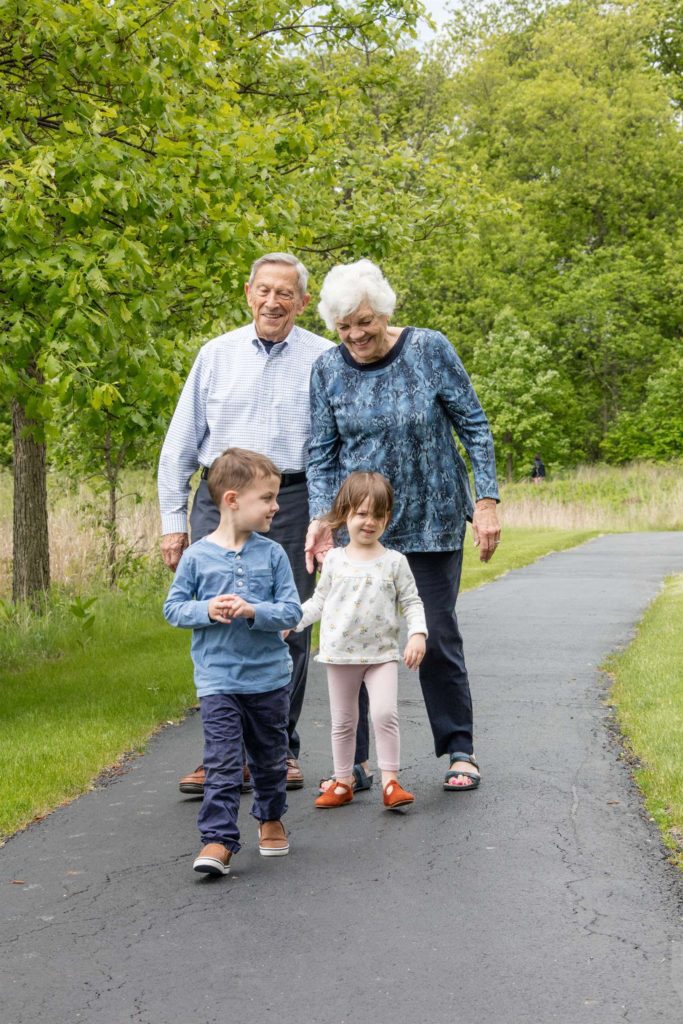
(235, 590)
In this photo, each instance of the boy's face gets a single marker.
(255, 505)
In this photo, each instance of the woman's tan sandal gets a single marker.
(475, 778)
(396, 796)
(331, 798)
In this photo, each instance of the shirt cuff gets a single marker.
(174, 522)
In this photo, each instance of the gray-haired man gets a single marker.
(249, 388)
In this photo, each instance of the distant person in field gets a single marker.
(388, 400)
(250, 388)
(538, 470)
(235, 590)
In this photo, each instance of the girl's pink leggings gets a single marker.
(343, 683)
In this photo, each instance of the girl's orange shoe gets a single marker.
(396, 796)
(330, 798)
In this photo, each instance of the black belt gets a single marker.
(286, 480)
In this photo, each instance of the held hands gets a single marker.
(415, 650)
(486, 528)
(227, 607)
(318, 543)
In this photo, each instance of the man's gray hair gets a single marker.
(348, 285)
(282, 257)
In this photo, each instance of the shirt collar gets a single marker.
(256, 341)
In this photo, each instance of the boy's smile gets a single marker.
(255, 505)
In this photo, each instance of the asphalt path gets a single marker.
(545, 896)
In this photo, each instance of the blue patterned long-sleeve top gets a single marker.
(398, 419)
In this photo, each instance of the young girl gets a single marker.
(362, 589)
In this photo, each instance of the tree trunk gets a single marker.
(31, 548)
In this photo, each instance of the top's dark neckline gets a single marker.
(393, 353)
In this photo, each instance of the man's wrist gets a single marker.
(486, 503)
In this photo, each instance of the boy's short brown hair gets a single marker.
(235, 469)
(353, 492)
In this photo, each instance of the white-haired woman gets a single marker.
(388, 399)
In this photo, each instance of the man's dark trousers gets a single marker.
(289, 529)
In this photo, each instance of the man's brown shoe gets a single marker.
(295, 777)
(272, 839)
(213, 859)
(194, 782)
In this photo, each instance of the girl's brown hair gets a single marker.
(353, 492)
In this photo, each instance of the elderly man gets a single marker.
(249, 388)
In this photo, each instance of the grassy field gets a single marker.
(84, 683)
(648, 696)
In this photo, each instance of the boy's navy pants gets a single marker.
(259, 721)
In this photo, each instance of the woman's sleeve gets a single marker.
(323, 464)
(464, 410)
(409, 600)
(313, 608)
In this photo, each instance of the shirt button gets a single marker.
(238, 557)
(241, 583)
(240, 572)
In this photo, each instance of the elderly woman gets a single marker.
(388, 399)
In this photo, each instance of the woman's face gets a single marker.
(364, 333)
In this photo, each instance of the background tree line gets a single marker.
(520, 182)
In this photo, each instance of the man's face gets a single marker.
(275, 300)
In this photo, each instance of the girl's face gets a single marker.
(365, 528)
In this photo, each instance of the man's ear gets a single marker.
(305, 299)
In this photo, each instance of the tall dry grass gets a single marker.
(642, 496)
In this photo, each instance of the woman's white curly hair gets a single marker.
(348, 285)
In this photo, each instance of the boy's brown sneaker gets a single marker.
(272, 839)
(213, 859)
(194, 782)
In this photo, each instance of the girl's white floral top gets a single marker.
(359, 605)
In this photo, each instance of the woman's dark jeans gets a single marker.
(443, 675)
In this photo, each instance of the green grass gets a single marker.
(65, 720)
(648, 697)
(73, 703)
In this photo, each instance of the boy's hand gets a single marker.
(415, 650)
(227, 607)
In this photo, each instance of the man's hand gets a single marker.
(172, 547)
(486, 528)
(318, 543)
(415, 650)
(227, 607)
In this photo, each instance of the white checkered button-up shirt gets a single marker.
(238, 395)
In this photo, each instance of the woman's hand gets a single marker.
(318, 543)
(415, 650)
(486, 528)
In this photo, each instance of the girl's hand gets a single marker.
(415, 650)
(285, 633)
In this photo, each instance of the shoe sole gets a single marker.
(400, 803)
(295, 785)
(273, 853)
(209, 866)
(194, 789)
(330, 807)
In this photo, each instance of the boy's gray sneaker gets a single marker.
(213, 859)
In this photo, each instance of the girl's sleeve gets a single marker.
(323, 463)
(464, 410)
(409, 600)
(313, 608)
(180, 607)
(284, 611)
